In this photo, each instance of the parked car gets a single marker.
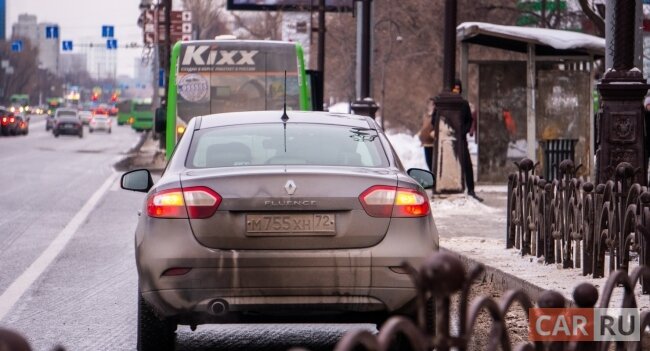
(8, 123)
(100, 122)
(85, 117)
(254, 220)
(68, 125)
(50, 120)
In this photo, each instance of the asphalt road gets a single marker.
(67, 271)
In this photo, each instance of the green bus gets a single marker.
(142, 114)
(123, 111)
(229, 75)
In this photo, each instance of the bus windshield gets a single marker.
(235, 76)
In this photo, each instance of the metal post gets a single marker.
(364, 105)
(621, 117)
(365, 49)
(531, 137)
(449, 58)
(321, 38)
(464, 66)
(449, 155)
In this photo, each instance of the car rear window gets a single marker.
(306, 144)
(66, 114)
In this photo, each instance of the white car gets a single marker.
(85, 117)
(100, 122)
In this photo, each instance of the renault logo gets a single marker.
(290, 187)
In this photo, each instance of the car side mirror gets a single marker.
(138, 180)
(424, 177)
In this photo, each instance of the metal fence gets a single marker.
(442, 276)
(579, 224)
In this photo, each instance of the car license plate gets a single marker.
(68, 126)
(315, 223)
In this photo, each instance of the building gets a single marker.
(142, 72)
(73, 63)
(48, 49)
(28, 28)
(3, 19)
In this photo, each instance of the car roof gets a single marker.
(254, 117)
(66, 109)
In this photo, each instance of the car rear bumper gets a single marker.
(274, 282)
(67, 131)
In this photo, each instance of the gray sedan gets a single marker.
(263, 219)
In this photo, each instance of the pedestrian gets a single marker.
(467, 121)
(426, 134)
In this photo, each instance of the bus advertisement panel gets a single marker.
(233, 75)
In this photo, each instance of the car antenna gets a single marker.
(285, 117)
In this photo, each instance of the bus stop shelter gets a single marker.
(544, 96)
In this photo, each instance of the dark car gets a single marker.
(22, 125)
(8, 123)
(68, 125)
(50, 120)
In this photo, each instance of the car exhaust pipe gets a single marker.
(218, 307)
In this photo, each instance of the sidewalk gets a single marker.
(477, 231)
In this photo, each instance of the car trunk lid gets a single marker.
(289, 207)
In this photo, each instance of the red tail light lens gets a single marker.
(11, 119)
(197, 202)
(388, 201)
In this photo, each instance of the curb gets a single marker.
(123, 163)
(503, 281)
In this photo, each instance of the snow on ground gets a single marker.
(410, 150)
(492, 252)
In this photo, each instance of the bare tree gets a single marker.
(259, 25)
(208, 17)
(595, 13)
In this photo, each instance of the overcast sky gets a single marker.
(81, 21)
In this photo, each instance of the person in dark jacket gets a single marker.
(466, 124)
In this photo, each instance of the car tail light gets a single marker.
(4, 120)
(11, 119)
(195, 202)
(390, 201)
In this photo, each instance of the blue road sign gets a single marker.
(17, 46)
(108, 31)
(111, 44)
(161, 78)
(51, 32)
(67, 45)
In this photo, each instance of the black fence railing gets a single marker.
(443, 276)
(579, 225)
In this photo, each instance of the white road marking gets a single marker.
(116, 185)
(16, 290)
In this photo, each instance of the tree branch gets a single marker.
(598, 21)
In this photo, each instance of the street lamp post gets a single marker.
(385, 61)
(364, 105)
(448, 157)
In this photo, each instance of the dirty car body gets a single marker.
(295, 221)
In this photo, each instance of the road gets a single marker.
(68, 274)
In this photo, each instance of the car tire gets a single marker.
(56, 135)
(154, 334)
(120, 123)
(109, 131)
(90, 130)
(81, 135)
